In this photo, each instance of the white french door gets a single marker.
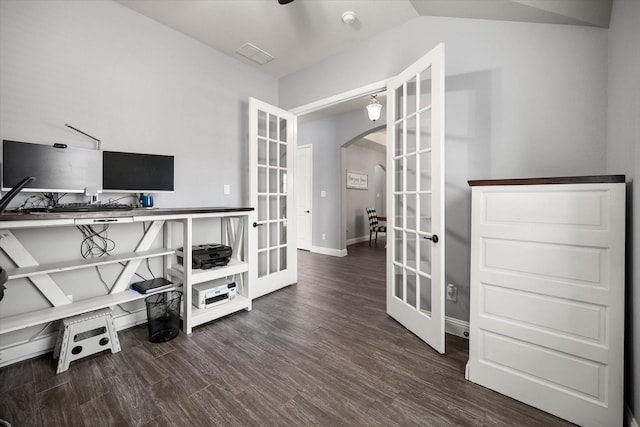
(415, 182)
(304, 173)
(272, 145)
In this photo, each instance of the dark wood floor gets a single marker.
(319, 353)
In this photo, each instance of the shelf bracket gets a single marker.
(22, 258)
(131, 267)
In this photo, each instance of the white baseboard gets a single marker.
(329, 251)
(631, 421)
(24, 350)
(456, 327)
(355, 240)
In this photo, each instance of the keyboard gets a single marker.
(85, 207)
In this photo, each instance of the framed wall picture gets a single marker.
(357, 180)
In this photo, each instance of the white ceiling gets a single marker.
(304, 32)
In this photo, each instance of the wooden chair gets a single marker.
(373, 224)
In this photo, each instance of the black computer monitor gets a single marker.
(56, 167)
(136, 173)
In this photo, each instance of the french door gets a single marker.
(272, 146)
(415, 183)
(304, 168)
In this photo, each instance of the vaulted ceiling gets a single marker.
(293, 36)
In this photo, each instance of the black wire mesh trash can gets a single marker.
(163, 315)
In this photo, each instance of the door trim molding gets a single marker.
(380, 86)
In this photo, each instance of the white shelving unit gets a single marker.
(233, 232)
(232, 223)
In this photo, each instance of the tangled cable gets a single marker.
(95, 243)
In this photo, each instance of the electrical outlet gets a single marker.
(452, 292)
(70, 297)
(324, 236)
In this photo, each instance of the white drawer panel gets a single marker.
(544, 259)
(566, 208)
(538, 364)
(573, 318)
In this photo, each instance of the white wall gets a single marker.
(522, 100)
(623, 157)
(134, 84)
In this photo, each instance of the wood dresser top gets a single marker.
(117, 213)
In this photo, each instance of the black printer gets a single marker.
(208, 256)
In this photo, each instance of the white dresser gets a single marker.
(547, 294)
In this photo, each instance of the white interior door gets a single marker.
(304, 164)
(415, 182)
(272, 144)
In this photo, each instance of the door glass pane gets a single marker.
(411, 212)
(425, 89)
(411, 288)
(283, 233)
(273, 127)
(262, 124)
(283, 181)
(273, 207)
(262, 179)
(425, 255)
(262, 236)
(425, 171)
(425, 213)
(283, 130)
(262, 264)
(283, 207)
(425, 279)
(273, 180)
(399, 210)
(399, 142)
(273, 234)
(412, 248)
(411, 134)
(283, 155)
(398, 246)
(262, 208)
(273, 261)
(262, 151)
(273, 153)
(411, 96)
(425, 129)
(412, 171)
(425, 294)
(399, 174)
(283, 258)
(397, 282)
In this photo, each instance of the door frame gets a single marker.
(312, 107)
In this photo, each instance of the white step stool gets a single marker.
(84, 335)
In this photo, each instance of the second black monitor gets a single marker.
(137, 173)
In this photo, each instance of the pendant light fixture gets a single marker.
(374, 108)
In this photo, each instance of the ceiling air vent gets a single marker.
(255, 54)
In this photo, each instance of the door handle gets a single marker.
(255, 224)
(307, 211)
(434, 238)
